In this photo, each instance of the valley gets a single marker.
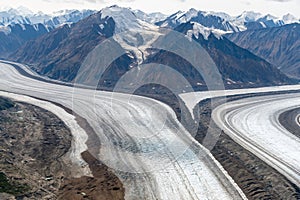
(218, 147)
(118, 103)
(154, 157)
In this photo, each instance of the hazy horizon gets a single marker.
(277, 8)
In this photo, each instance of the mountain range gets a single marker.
(17, 26)
(58, 44)
(278, 45)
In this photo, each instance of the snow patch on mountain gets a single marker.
(125, 19)
(21, 10)
(271, 21)
(207, 19)
(151, 17)
(221, 14)
(264, 21)
(263, 25)
(20, 15)
(132, 32)
(137, 42)
(289, 19)
(5, 29)
(25, 16)
(187, 16)
(205, 32)
(248, 16)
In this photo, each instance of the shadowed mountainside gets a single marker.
(279, 46)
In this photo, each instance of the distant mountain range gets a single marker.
(225, 22)
(17, 26)
(58, 44)
(25, 16)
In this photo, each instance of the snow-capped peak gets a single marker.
(249, 16)
(289, 19)
(23, 11)
(184, 17)
(204, 31)
(23, 15)
(151, 17)
(131, 32)
(62, 12)
(125, 19)
(5, 29)
(221, 14)
(250, 20)
(268, 17)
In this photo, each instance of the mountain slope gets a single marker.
(13, 36)
(17, 26)
(248, 20)
(201, 17)
(14, 16)
(151, 17)
(279, 46)
(67, 17)
(60, 53)
(238, 67)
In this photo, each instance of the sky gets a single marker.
(232, 7)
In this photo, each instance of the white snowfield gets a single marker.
(298, 119)
(193, 98)
(141, 140)
(254, 124)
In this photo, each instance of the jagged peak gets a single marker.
(204, 31)
(289, 18)
(249, 16)
(125, 19)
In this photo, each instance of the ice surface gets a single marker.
(193, 98)
(253, 123)
(137, 134)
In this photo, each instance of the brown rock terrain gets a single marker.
(33, 144)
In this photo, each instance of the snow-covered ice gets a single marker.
(141, 139)
(253, 123)
(193, 98)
